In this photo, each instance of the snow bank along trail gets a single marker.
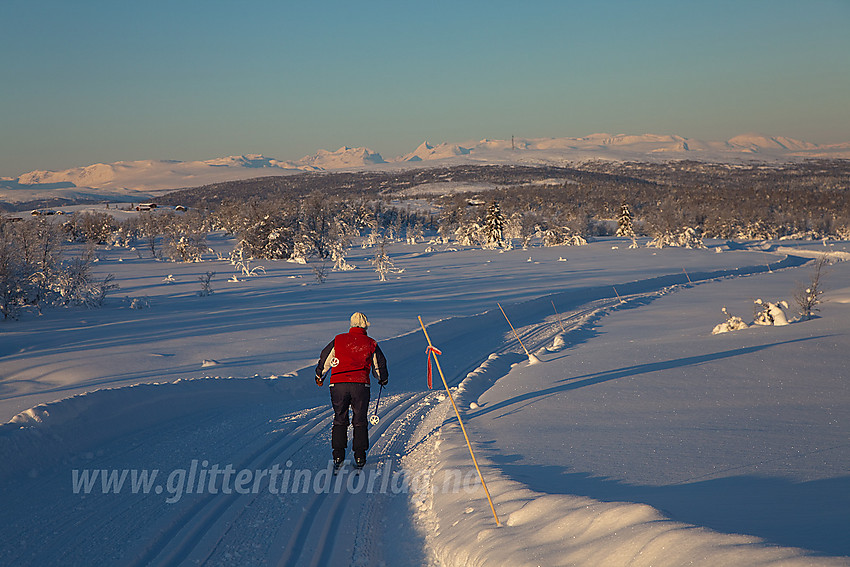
(555, 529)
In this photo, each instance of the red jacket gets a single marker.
(351, 356)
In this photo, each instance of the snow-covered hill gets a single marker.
(135, 180)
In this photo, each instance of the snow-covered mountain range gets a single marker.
(139, 180)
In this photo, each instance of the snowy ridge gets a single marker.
(143, 179)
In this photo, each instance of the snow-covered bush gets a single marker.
(470, 234)
(186, 246)
(90, 227)
(74, 284)
(732, 323)
(206, 285)
(809, 297)
(384, 264)
(338, 257)
(242, 262)
(320, 272)
(685, 237)
(414, 233)
(768, 313)
(140, 303)
(561, 236)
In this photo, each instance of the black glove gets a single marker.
(382, 381)
(319, 380)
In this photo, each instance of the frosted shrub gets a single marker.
(686, 237)
(338, 257)
(414, 233)
(689, 238)
(767, 313)
(470, 234)
(243, 264)
(809, 297)
(75, 285)
(186, 247)
(206, 286)
(140, 303)
(562, 236)
(732, 323)
(384, 264)
(663, 239)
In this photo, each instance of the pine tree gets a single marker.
(624, 222)
(494, 226)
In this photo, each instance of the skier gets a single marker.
(350, 357)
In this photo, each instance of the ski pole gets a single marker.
(374, 420)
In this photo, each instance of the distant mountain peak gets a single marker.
(343, 157)
(145, 178)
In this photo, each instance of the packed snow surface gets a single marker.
(636, 438)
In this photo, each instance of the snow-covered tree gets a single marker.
(13, 273)
(494, 226)
(90, 227)
(338, 257)
(383, 263)
(470, 233)
(74, 284)
(561, 236)
(625, 227)
(414, 232)
(809, 297)
(686, 237)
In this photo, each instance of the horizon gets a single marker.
(101, 83)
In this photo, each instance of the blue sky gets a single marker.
(90, 81)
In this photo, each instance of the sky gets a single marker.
(102, 81)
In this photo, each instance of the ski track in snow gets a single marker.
(298, 529)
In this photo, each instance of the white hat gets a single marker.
(359, 320)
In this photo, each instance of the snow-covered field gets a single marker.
(639, 439)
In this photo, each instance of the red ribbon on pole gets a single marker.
(428, 351)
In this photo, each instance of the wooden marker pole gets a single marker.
(618, 295)
(514, 330)
(462, 428)
(559, 317)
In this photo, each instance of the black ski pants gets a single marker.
(354, 395)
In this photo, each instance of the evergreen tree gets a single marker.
(494, 226)
(624, 222)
